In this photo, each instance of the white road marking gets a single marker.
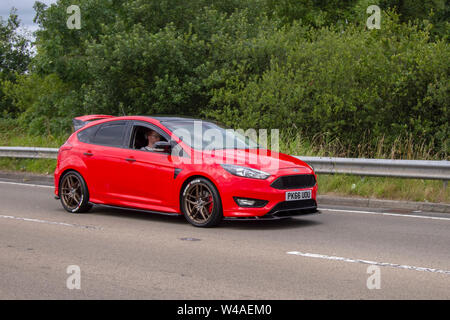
(387, 214)
(49, 222)
(27, 184)
(381, 264)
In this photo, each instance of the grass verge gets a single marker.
(384, 188)
(11, 134)
(40, 166)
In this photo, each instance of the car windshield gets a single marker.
(204, 135)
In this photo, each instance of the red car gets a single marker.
(179, 166)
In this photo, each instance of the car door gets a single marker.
(105, 159)
(150, 175)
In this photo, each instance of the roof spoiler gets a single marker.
(80, 122)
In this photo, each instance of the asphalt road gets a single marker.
(124, 254)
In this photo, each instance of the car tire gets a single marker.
(200, 203)
(73, 193)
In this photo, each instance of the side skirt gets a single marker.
(138, 210)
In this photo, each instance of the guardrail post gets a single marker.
(445, 185)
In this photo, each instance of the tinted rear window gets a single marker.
(87, 135)
(110, 134)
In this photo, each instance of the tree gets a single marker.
(435, 11)
(14, 58)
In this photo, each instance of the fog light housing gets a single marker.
(250, 203)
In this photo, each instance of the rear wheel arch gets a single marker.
(77, 199)
(64, 173)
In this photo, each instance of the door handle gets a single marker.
(130, 159)
(88, 154)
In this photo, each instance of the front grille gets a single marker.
(297, 181)
(291, 208)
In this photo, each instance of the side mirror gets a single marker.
(162, 146)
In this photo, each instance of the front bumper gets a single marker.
(276, 206)
(282, 211)
(293, 208)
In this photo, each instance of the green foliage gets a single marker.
(44, 102)
(383, 188)
(138, 72)
(14, 59)
(317, 13)
(435, 12)
(40, 166)
(385, 83)
(298, 65)
(12, 133)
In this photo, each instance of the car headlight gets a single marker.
(245, 171)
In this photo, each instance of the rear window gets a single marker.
(110, 134)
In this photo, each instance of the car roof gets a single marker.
(160, 119)
(168, 118)
(157, 118)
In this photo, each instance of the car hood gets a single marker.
(261, 159)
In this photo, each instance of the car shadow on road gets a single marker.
(136, 214)
(286, 223)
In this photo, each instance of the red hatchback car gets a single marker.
(179, 166)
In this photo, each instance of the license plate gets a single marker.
(298, 195)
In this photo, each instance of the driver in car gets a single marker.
(152, 138)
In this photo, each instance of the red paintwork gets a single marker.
(149, 184)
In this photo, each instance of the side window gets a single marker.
(140, 137)
(86, 135)
(139, 141)
(111, 134)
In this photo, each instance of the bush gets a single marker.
(349, 84)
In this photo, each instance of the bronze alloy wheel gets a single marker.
(73, 193)
(201, 204)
